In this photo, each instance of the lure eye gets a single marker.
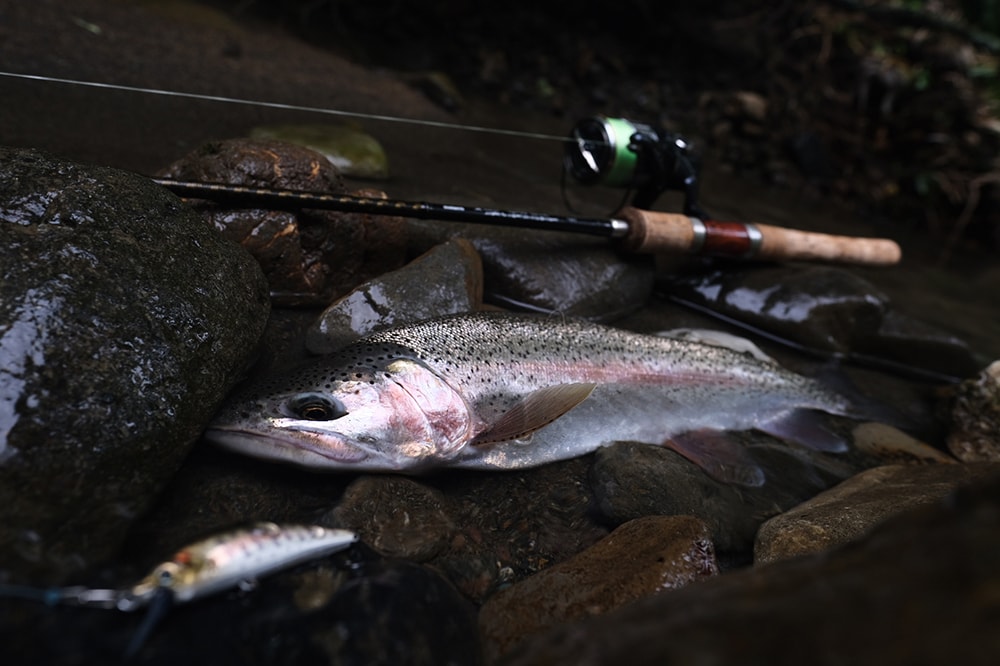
(316, 407)
(166, 575)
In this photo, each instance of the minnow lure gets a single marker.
(206, 567)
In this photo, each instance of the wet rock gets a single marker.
(309, 256)
(123, 321)
(823, 308)
(214, 490)
(630, 480)
(258, 163)
(975, 432)
(446, 280)
(891, 445)
(879, 601)
(546, 271)
(848, 511)
(396, 516)
(827, 310)
(510, 526)
(401, 613)
(909, 340)
(640, 558)
(347, 146)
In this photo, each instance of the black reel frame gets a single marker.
(620, 153)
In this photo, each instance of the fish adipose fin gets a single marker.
(534, 411)
(804, 427)
(718, 455)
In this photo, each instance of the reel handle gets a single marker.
(655, 232)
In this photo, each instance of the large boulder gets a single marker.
(124, 319)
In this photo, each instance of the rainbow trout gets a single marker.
(502, 391)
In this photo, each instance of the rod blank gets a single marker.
(640, 230)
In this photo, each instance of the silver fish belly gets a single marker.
(504, 391)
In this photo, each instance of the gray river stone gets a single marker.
(849, 510)
(396, 516)
(445, 280)
(124, 319)
(639, 559)
(919, 589)
(631, 480)
(828, 310)
(546, 271)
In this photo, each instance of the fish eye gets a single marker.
(316, 407)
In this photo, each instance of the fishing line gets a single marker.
(898, 368)
(615, 152)
(159, 605)
(440, 124)
(48, 596)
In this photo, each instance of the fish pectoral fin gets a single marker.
(719, 456)
(534, 411)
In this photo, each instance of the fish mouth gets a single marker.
(305, 446)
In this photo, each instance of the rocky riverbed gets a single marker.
(128, 314)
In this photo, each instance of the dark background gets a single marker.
(889, 106)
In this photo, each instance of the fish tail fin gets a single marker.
(719, 456)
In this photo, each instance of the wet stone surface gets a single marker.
(849, 510)
(213, 491)
(348, 147)
(395, 516)
(877, 601)
(631, 480)
(309, 256)
(573, 275)
(828, 310)
(639, 559)
(123, 321)
(447, 279)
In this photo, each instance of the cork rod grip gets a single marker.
(654, 232)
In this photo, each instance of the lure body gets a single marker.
(225, 560)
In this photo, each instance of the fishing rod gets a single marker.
(609, 151)
(638, 230)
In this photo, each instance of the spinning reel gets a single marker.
(620, 153)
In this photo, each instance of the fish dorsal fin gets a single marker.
(534, 411)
